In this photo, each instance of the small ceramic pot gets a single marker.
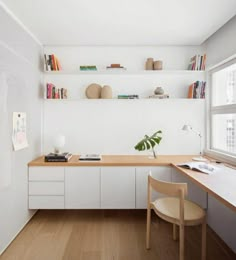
(159, 91)
(106, 92)
(149, 64)
(158, 65)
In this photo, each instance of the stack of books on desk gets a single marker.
(55, 157)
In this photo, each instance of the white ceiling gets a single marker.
(123, 22)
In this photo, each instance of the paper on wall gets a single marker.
(19, 137)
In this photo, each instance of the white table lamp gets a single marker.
(189, 128)
(58, 143)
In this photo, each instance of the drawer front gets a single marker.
(46, 202)
(46, 188)
(46, 173)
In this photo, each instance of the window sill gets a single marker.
(222, 157)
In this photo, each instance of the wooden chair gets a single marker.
(176, 210)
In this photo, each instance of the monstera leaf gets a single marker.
(149, 142)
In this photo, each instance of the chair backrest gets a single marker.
(167, 188)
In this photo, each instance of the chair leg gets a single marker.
(181, 242)
(148, 228)
(174, 232)
(204, 239)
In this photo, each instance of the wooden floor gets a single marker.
(106, 235)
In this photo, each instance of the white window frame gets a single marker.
(211, 110)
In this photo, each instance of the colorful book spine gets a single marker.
(197, 62)
(197, 90)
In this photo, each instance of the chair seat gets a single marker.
(169, 207)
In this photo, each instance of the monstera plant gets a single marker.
(149, 142)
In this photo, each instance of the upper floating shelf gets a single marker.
(125, 72)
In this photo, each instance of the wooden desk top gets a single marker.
(118, 160)
(221, 185)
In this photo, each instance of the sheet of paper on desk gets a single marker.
(200, 166)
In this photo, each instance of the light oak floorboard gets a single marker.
(107, 235)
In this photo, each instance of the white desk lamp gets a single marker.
(189, 128)
(58, 143)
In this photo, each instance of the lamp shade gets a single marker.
(59, 142)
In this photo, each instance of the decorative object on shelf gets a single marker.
(128, 96)
(115, 66)
(52, 63)
(58, 143)
(159, 91)
(189, 128)
(157, 65)
(149, 142)
(149, 64)
(93, 91)
(197, 62)
(160, 96)
(88, 68)
(197, 89)
(106, 92)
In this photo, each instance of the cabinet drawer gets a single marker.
(46, 202)
(46, 173)
(46, 188)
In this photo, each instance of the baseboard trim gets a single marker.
(17, 234)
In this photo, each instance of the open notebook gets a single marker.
(199, 166)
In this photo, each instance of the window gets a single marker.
(222, 115)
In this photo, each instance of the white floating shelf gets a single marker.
(124, 72)
(115, 99)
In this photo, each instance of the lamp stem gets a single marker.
(200, 145)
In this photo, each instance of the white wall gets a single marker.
(222, 44)
(219, 47)
(20, 64)
(115, 126)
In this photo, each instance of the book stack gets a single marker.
(115, 66)
(52, 63)
(197, 62)
(52, 92)
(88, 68)
(54, 157)
(159, 96)
(197, 90)
(127, 96)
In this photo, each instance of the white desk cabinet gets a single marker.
(161, 172)
(82, 187)
(46, 187)
(222, 220)
(117, 187)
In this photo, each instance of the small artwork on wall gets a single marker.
(19, 137)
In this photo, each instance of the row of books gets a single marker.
(128, 96)
(197, 90)
(197, 62)
(52, 63)
(52, 92)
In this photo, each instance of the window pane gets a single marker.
(223, 132)
(224, 86)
